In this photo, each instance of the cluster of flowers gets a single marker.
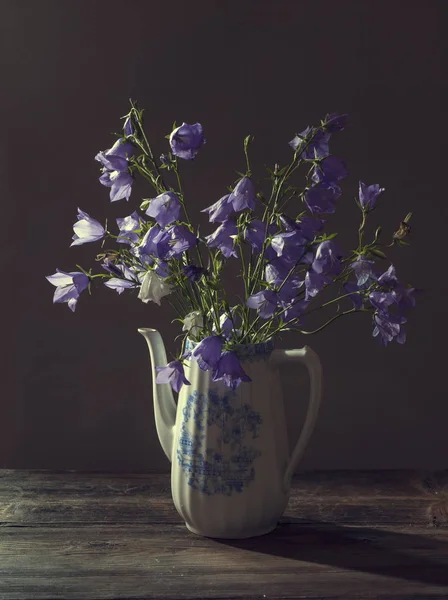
(286, 260)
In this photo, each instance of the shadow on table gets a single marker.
(383, 552)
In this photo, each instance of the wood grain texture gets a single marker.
(344, 535)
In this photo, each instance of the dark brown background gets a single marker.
(75, 388)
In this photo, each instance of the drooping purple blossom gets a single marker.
(174, 374)
(389, 277)
(165, 208)
(208, 352)
(330, 169)
(308, 226)
(363, 269)
(68, 287)
(221, 210)
(351, 288)
(368, 194)
(155, 242)
(186, 140)
(119, 285)
(124, 278)
(265, 302)
(86, 229)
(116, 173)
(243, 195)
(314, 283)
(193, 272)
(290, 245)
(388, 327)
(223, 238)
(127, 228)
(316, 142)
(230, 371)
(255, 233)
(295, 308)
(321, 197)
(181, 240)
(327, 259)
(381, 300)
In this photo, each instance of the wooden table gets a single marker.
(344, 535)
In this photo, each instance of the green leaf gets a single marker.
(377, 252)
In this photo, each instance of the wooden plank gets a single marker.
(166, 561)
(390, 497)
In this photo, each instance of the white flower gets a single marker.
(193, 323)
(153, 288)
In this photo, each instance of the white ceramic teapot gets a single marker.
(231, 465)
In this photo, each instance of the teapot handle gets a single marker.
(309, 358)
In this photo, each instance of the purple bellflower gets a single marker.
(321, 197)
(355, 296)
(223, 238)
(330, 169)
(186, 140)
(116, 173)
(255, 233)
(173, 373)
(86, 229)
(318, 143)
(363, 269)
(368, 194)
(327, 259)
(221, 210)
(265, 302)
(127, 227)
(230, 371)
(193, 272)
(181, 240)
(68, 287)
(243, 195)
(208, 352)
(165, 209)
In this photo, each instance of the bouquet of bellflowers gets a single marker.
(287, 259)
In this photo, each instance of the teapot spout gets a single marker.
(164, 404)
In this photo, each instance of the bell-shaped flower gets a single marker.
(86, 229)
(116, 173)
(388, 327)
(243, 195)
(330, 169)
(314, 283)
(174, 374)
(154, 288)
(363, 269)
(123, 277)
(127, 228)
(368, 194)
(389, 277)
(193, 323)
(355, 296)
(186, 140)
(321, 197)
(291, 245)
(224, 238)
(68, 287)
(181, 239)
(381, 300)
(315, 145)
(230, 371)
(193, 272)
(255, 233)
(221, 210)
(294, 309)
(208, 352)
(165, 208)
(155, 242)
(265, 302)
(327, 259)
(120, 183)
